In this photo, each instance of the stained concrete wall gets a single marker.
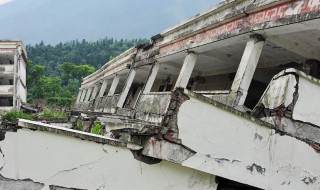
(36, 160)
(245, 150)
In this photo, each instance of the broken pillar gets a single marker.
(151, 78)
(83, 95)
(114, 85)
(95, 91)
(246, 69)
(186, 70)
(79, 96)
(126, 88)
(88, 94)
(103, 87)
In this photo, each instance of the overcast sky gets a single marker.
(55, 21)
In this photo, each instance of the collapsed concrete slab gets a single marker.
(47, 157)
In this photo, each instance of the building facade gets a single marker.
(227, 100)
(13, 89)
(230, 92)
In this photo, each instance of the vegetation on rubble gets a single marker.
(96, 129)
(14, 115)
(78, 126)
(47, 114)
(54, 73)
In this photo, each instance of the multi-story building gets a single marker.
(13, 90)
(227, 100)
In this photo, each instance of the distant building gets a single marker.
(13, 89)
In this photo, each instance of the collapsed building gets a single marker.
(224, 100)
(13, 89)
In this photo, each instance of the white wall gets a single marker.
(236, 148)
(65, 161)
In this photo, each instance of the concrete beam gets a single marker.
(246, 69)
(297, 46)
(103, 87)
(95, 91)
(114, 85)
(151, 78)
(186, 70)
(126, 88)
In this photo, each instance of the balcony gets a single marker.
(6, 90)
(6, 70)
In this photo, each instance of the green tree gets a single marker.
(34, 73)
(48, 87)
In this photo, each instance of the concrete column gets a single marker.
(79, 96)
(126, 88)
(114, 85)
(88, 94)
(15, 70)
(135, 98)
(103, 87)
(152, 78)
(246, 69)
(186, 70)
(95, 91)
(84, 92)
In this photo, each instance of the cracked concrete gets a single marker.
(228, 136)
(23, 184)
(65, 162)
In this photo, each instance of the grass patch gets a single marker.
(47, 114)
(96, 129)
(14, 115)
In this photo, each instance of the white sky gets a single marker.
(2, 2)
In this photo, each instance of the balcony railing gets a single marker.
(111, 103)
(217, 95)
(152, 106)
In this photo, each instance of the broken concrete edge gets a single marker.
(300, 130)
(220, 7)
(54, 187)
(252, 29)
(122, 57)
(126, 120)
(298, 73)
(313, 144)
(23, 182)
(34, 125)
(8, 183)
(226, 108)
(165, 150)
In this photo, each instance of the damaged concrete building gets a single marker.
(225, 100)
(13, 90)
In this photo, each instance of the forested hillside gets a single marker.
(54, 73)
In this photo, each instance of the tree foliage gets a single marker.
(54, 73)
(82, 52)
